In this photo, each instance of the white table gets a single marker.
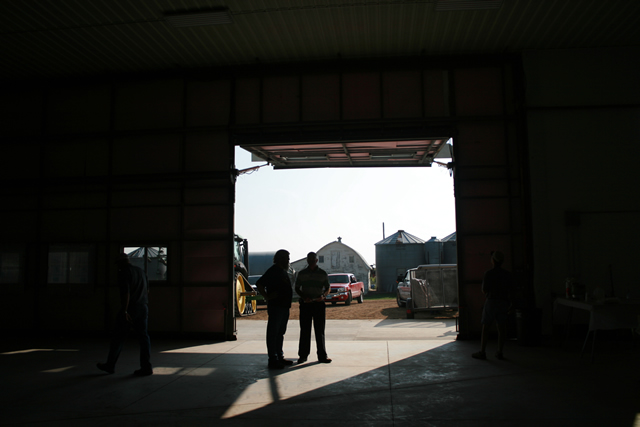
(610, 314)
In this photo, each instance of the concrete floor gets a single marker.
(384, 373)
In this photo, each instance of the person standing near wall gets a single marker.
(133, 313)
(312, 286)
(275, 287)
(497, 286)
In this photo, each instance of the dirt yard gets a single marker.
(372, 309)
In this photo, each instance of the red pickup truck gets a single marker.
(345, 288)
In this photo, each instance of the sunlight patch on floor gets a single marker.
(33, 350)
(199, 349)
(188, 372)
(300, 379)
(200, 372)
(57, 370)
(215, 348)
(166, 370)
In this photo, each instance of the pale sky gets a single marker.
(301, 210)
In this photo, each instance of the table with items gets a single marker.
(604, 314)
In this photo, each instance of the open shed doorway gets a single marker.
(476, 102)
(314, 204)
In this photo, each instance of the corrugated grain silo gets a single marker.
(450, 249)
(394, 255)
(441, 251)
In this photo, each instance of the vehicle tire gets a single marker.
(399, 301)
(360, 298)
(349, 299)
(240, 301)
(243, 306)
(410, 313)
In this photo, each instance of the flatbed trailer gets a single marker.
(434, 287)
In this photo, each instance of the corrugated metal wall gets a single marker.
(112, 165)
(149, 162)
(490, 192)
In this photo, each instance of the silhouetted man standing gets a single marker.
(312, 285)
(275, 287)
(497, 285)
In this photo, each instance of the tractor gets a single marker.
(245, 295)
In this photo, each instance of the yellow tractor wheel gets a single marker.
(241, 300)
(243, 289)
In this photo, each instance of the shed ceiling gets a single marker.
(69, 39)
(73, 38)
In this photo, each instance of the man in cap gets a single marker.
(275, 287)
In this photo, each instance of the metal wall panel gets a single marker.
(77, 157)
(489, 199)
(208, 103)
(166, 312)
(18, 225)
(402, 94)
(74, 225)
(21, 112)
(321, 97)
(145, 223)
(82, 199)
(361, 97)
(281, 99)
(147, 154)
(156, 104)
(479, 91)
(436, 93)
(247, 101)
(484, 144)
(206, 221)
(204, 309)
(207, 152)
(131, 196)
(483, 214)
(207, 195)
(206, 261)
(484, 188)
(79, 110)
(19, 160)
